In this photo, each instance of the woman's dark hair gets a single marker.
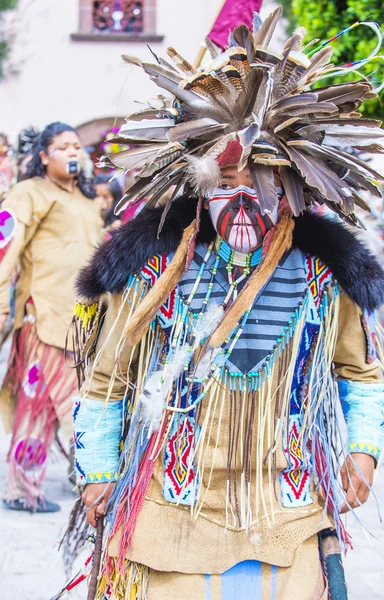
(43, 140)
(117, 194)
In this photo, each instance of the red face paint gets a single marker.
(237, 218)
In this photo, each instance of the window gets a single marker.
(117, 17)
(117, 20)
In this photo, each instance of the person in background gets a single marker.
(25, 141)
(51, 222)
(109, 193)
(7, 172)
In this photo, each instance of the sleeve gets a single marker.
(359, 378)
(22, 214)
(98, 410)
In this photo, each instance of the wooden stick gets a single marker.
(96, 559)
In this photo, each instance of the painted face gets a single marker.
(237, 218)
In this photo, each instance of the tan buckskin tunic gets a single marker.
(166, 538)
(56, 234)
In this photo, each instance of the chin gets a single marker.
(243, 239)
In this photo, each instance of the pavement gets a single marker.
(31, 566)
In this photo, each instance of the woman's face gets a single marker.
(64, 156)
(103, 193)
(235, 211)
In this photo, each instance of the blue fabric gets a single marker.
(97, 433)
(363, 407)
(244, 581)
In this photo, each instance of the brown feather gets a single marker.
(293, 188)
(264, 35)
(180, 62)
(264, 184)
(244, 38)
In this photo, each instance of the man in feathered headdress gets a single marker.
(237, 320)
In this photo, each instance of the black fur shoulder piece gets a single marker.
(133, 244)
(355, 268)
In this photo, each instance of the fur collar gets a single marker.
(355, 268)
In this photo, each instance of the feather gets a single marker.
(136, 158)
(344, 92)
(257, 22)
(207, 324)
(132, 60)
(355, 121)
(150, 113)
(153, 70)
(162, 159)
(345, 136)
(246, 100)
(147, 129)
(191, 99)
(247, 137)
(284, 123)
(244, 38)
(238, 59)
(311, 133)
(213, 50)
(371, 148)
(263, 179)
(264, 34)
(204, 173)
(219, 146)
(293, 102)
(318, 61)
(263, 97)
(293, 188)
(316, 175)
(153, 400)
(312, 109)
(194, 129)
(233, 77)
(206, 85)
(180, 62)
(342, 158)
(169, 204)
(161, 61)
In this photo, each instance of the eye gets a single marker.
(225, 186)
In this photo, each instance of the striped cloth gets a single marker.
(270, 313)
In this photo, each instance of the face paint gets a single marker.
(237, 218)
(73, 167)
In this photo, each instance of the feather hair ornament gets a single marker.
(250, 106)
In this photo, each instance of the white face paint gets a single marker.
(237, 218)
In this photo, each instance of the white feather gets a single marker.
(208, 323)
(153, 400)
(204, 174)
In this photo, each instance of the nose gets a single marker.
(73, 152)
(242, 201)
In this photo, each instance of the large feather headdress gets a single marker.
(252, 107)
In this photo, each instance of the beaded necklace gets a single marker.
(219, 358)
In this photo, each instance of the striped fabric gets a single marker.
(270, 314)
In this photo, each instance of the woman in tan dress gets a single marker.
(50, 224)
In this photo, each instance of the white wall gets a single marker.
(61, 79)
